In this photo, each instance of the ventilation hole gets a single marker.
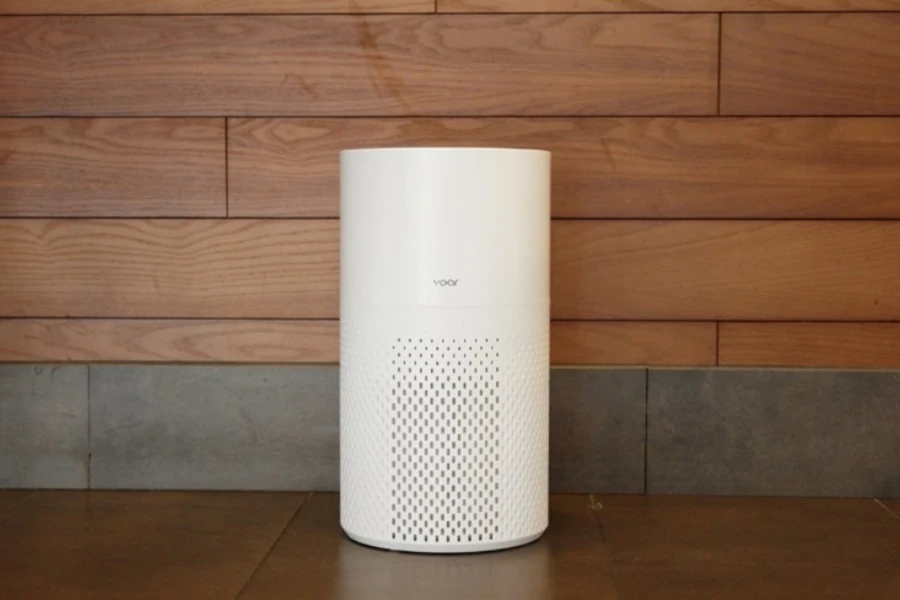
(450, 474)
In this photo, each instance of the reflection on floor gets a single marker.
(99, 545)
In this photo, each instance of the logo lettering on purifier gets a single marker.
(446, 282)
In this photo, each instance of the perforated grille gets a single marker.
(445, 440)
(364, 456)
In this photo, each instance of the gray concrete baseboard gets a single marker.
(630, 431)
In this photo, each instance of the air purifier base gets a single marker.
(444, 548)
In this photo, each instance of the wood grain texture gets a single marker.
(726, 270)
(831, 345)
(610, 270)
(182, 340)
(112, 167)
(105, 545)
(169, 268)
(343, 65)
(602, 167)
(662, 5)
(302, 342)
(311, 560)
(662, 545)
(631, 343)
(811, 64)
(90, 7)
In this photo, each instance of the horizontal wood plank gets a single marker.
(112, 167)
(632, 343)
(264, 341)
(832, 345)
(357, 66)
(152, 340)
(602, 167)
(91, 7)
(169, 268)
(88, 7)
(726, 270)
(462, 6)
(607, 270)
(811, 64)
(825, 345)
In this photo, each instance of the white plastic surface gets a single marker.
(476, 219)
(444, 347)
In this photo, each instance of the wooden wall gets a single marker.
(726, 173)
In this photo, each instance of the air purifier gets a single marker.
(444, 347)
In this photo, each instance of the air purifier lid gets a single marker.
(443, 149)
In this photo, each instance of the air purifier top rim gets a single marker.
(443, 150)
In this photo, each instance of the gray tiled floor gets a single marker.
(43, 426)
(234, 427)
(753, 432)
(597, 432)
(774, 432)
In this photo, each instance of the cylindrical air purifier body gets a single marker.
(444, 347)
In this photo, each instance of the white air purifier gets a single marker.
(445, 262)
